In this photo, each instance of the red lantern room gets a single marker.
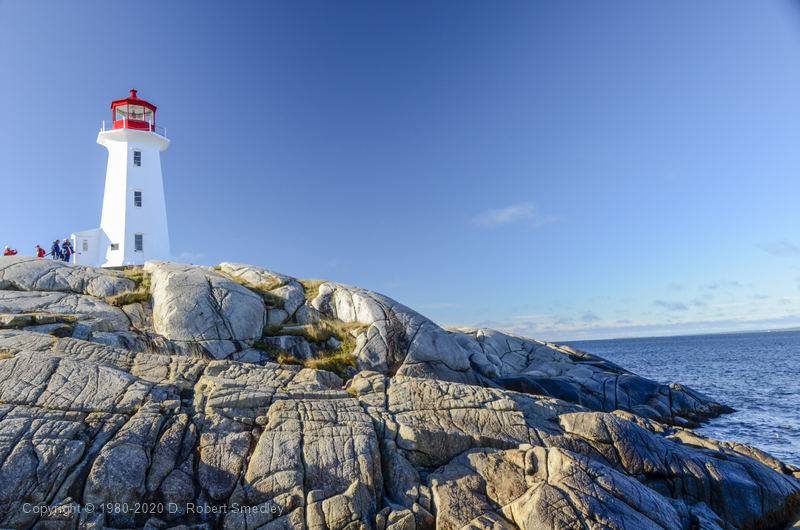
(134, 113)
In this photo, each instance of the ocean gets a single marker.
(758, 374)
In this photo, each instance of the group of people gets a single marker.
(63, 252)
(59, 250)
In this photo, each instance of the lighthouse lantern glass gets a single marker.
(133, 113)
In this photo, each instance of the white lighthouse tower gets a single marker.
(133, 226)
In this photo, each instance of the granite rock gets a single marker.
(175, 408)
(195, 304)
(398, 340)
(25, 273)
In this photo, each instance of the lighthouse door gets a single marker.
(86, 246)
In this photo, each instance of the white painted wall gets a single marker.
(94, 240)
(120, 218)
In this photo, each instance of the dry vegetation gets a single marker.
(323, 330)
(273, 301)
(140, 293)
(63, 331)
(262, 288)
(311, 287)
(335, 360)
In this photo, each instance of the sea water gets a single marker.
(758, 374)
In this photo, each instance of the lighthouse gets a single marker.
(133, 225)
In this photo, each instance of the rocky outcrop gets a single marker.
(398, 340)
(171, 419)
(540, 368)
(255, 277)
(500, 457)
(196, 304)
(77, 307)
(35, 274)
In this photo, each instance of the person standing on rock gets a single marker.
(10, 252)
(55, 250)
(40, 252)
(66, 250)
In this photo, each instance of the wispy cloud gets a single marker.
(590, 317)
(530, 316)
(515, 213)
(675, 287)
(671, 306)
(782, 248)
(722, 284)
(186, 256)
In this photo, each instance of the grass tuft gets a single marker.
(69, 319)
(262, 288)
(271, 331)
(273, 301)
(325, 329)
(311, 287)
(63, 331)
(271, 349)
(141, 290)
(336, 361)
(287, 358)
(278, 354)
(272, 283)
(130, 297)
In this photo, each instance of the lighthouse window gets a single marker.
(137, 199)
(136, 112)
(137, 242)
(137, 158)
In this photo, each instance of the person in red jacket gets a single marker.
(9, 252)
(40, 252)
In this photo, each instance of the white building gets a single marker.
(133, 226)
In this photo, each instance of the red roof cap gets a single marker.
(133, 100)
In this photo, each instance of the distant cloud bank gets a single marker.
(567, 329)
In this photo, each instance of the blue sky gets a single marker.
(562, 170)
